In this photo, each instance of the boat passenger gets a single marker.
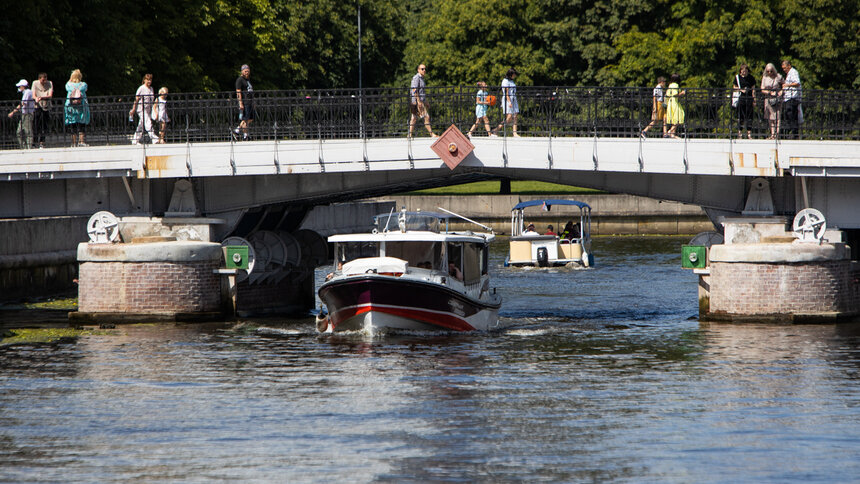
(455, 271)
(571, 231)
(331, 274)
(549, 230)
(530, 231)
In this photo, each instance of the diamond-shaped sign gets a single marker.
(452, 147)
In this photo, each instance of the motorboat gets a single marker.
(571, 246)
(410, 273)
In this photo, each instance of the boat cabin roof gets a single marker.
(414, 236)
(549, 204)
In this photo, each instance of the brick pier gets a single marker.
(158, 281)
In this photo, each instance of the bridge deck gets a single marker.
(666, 156)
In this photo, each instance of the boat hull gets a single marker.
(361, 302)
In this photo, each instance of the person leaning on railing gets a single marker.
(744, 85)
(26, 108)
(771, 84)
(791, 100)
(43, 91)
(76, 112)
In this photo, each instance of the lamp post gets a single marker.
(360, 91)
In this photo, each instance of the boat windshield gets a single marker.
(349, 251)
(419, 253)
(427, 221)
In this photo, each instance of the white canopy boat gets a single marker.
(416, 276)
(571, 246)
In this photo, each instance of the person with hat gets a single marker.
(510, 106)
(530, 230)
(27, 107)
(245, 94)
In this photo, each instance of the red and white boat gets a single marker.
(415, 276)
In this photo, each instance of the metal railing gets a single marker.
(384, 113)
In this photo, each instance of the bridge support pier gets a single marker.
(158, 281)
(778, 279)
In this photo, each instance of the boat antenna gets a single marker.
(385, 229)
(467, 219)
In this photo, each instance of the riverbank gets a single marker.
(612, 214)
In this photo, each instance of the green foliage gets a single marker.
(198, 45)
(706, 42)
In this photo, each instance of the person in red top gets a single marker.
(549, 230)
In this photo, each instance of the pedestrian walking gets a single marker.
(245, 95)
(43, 92)
(418, 101)
(159, 113)
(674, 110)
(25, 108)
(658, 106)
(144, 100)
(482, 103)
(510, 106)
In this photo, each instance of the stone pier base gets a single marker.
(783, 282)
(159, 281)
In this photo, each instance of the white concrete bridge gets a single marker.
(234, 177)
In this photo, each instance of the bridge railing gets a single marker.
(384, 113)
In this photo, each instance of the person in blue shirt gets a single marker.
(481, 106)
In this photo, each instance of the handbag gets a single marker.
(736, 95)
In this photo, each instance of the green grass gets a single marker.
(70, 303)
(39, 335)
(518, 187)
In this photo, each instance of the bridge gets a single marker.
(315, 147)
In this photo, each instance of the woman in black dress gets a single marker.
(745, 84)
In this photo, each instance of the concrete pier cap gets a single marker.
(779, 252)
(181, 251)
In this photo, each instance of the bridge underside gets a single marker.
(228, 179)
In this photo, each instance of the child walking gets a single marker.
(658, 106)
(159, 114)
(481, 105)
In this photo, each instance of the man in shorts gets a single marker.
(245, 94)
(418, 102)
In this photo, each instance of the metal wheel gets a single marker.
(809, 225)
(103, 228)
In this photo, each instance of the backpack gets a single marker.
(76, 98)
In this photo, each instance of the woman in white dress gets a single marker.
(510, 107)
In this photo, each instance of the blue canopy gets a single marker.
(549, 204)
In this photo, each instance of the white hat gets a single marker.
(22, 82)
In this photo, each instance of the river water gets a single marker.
(604, 375)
